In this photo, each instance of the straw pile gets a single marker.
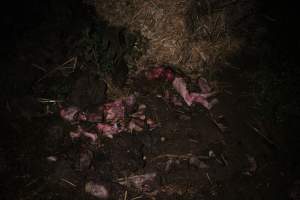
(186, 33)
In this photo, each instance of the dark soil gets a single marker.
(192, 157)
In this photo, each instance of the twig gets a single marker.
(70, 183)
(256, 130)
(224, 160)
(44, 100)
(39, 67)
(208, 178)
(186, 156)
(222, 128)
(179, 111)
(32, 182)
(75, 64)
(138, 197)
(54, 70)
(125, 195)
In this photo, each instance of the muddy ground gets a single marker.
(190, 156)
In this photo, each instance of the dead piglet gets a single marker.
(206, 92)
(140, 113)
(114, 111)
(180, 86)
(114, 115)
(204, 85)
(109, 130)
(75, 134)
(79, 131)
(164, 73)
(155, 73)
(140, 121)
(92, 136)
(152, 124)
(69, 113)
(72, 115)
(137, 123)
(202, 99)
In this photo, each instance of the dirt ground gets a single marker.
(194, 153)
(243, 164)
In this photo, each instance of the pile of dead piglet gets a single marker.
(121, 115)
(180, 85)
(126, 115)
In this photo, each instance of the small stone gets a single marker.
(96, 190)
(142, 107)
(211, 154)
(162, 139)
(52, 158)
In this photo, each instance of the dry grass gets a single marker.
(178, 32)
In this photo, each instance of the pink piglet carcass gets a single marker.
(203, 85)
(114, 111)
(80, 131)
(165, 73)
(180, 86)
(155, 73)
(72, 114)
(108, 130)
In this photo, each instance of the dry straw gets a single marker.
(186, 33)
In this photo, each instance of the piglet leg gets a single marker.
(204, 86)
(180, 86)
(198, 98)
